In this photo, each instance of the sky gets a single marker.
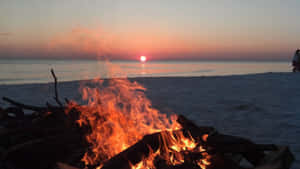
(159, 29)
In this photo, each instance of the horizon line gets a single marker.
(152, 60)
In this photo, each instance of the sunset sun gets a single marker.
(143, 58)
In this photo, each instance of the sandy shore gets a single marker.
(262, 107)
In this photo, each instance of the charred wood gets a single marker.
(216, 142)
(3, 114)
(24, 106)
(135, 153)
(195, 131)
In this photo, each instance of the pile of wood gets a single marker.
(50, 138)
(41, 139)
(226, 151)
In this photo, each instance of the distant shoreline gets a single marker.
(60, 81)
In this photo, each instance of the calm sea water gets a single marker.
(38, 71)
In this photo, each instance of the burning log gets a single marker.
(217, 146)
(279, 159)
(193, 128)
(135, 153)
(143, 149)
(226, 143)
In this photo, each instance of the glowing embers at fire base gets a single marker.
(118, 115)
(174, 149)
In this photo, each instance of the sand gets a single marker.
(262, 107)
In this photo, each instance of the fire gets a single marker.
(118, 114)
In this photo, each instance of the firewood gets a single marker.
(225, 143)
(65, 166)
(24, 106)
(55, 89)
(43, 142)
(19, 146)
(135, 153)
(161, 163)
(219, 160)
(17, 111)
(41, 110)
(42, 152)
(195, 131)
(182, 166)
(3, 114)
(280, 159)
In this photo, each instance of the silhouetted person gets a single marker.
(296, 61)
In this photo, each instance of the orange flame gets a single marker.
(119, 114)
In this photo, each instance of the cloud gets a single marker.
(81, 41)
(5, 34)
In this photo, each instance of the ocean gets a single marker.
(24, 71)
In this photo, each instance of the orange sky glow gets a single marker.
(119, 30)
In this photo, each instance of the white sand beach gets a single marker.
(262, 107)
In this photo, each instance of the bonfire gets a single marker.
(119, 128)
